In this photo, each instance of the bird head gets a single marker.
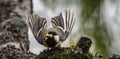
(51, 38)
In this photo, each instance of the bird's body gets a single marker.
(53, 37)
(52, 42)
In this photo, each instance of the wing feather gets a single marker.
(64, 22)
(37, 25)
(57, 22)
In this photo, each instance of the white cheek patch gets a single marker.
(56, 38)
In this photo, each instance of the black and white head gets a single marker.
(52, 35)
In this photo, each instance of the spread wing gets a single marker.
(37, 25)
(64, 22)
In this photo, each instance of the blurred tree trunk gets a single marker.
(14, 41)
(17, 8)
(94, 26)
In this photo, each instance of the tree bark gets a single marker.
(14, 43)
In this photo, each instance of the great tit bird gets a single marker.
(53, 37)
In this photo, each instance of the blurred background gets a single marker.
(96, 19)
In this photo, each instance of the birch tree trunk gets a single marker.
(14, 43)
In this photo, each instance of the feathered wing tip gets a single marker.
(65, 22)
(37, 24)
(69, 20)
